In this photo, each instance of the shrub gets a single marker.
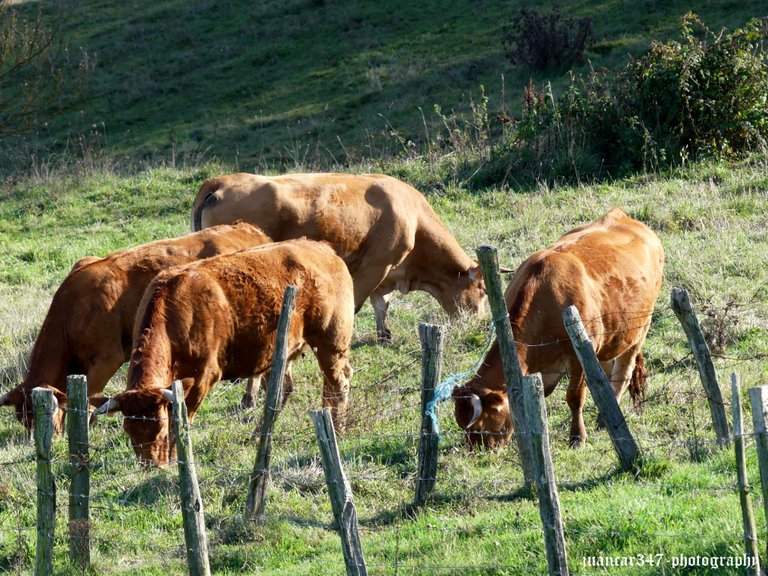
(541, 42)
(704, 97)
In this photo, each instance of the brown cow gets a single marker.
(611, 270)
(384, 229)
(217, 319)
(89, 326)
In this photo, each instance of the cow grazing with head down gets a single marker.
(611, 270)
(217, 319)
(384, 229)
(89, 325)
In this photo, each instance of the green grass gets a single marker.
(307, 82)
(312, 84)
(684, 503)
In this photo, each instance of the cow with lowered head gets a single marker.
(89, 325)
(385, 230)
(217, 319)
(611, 270)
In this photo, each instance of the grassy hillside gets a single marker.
(713, 225)
(308, 81)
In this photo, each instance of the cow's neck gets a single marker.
(435, 262)
(49, 359)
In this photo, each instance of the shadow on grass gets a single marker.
(410, 511)
(149, 492)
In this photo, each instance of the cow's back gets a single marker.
(370, 220)
(234, 301)
(611, 270)
(98, 299)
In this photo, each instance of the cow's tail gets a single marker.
(197, 217)
(637, 382)
(205, 198)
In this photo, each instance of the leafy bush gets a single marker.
(547, 41)
(703, 97)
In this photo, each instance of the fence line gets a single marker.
(283, 441)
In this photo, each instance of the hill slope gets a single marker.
(307, 81)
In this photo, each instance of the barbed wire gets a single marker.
(355, 450)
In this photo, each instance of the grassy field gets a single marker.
(183, 91)
(276, 83)
(712, 222)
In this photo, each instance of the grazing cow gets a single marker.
(217, 319)
(89, 326)
(383, 229)
(611, 270)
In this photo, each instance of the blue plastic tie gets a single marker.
(444, 390)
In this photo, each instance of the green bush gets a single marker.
(703, 97)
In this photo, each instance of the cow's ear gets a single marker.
(496, 401)
(475, 274)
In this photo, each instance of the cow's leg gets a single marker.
(337, 373)
(287, 386)
(623, 366)
(251, 392)
(380, 303)
(575, 396)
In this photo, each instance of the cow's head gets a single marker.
(146, 413)
(483, 415)
(467, 294)
(21, 400)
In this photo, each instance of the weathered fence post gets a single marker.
(681, 306)
(44, 404)
(191, 501)
(489, 265)
(339, 492)
(747, 515)
(257, 491)
(80, 471)
(546, 487)
(602, 392)
(758, 397)
(432, 340)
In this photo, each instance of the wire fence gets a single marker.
(477, 513)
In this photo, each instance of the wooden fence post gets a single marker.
(758, 397)
(191, 501)
(681, 306)
(546, 487)
(44, 405)
(602, 392)
(80, 471)
(489, 265)
(340, 493)
(257, 491)
(432, 341)
(747, 515)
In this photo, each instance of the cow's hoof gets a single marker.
(577, 441)
(384, 338)
(600, 422)
(246, 401)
